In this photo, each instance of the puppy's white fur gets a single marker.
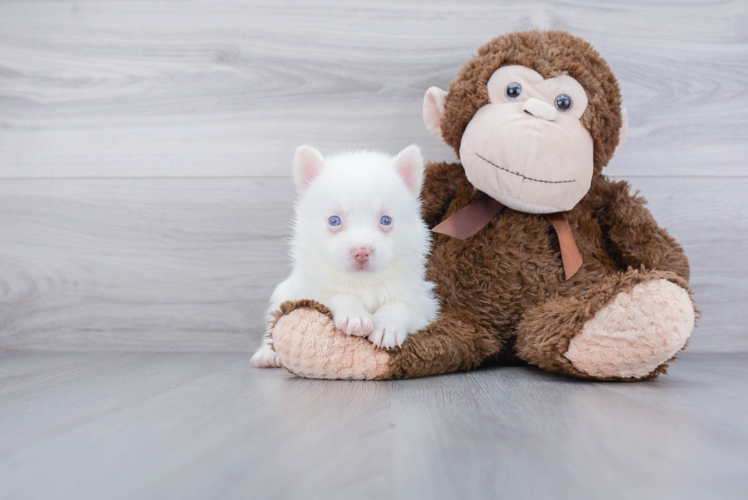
(385, 296)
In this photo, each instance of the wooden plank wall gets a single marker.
(145, 146)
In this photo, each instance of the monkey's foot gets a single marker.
(635, 333)
(309, 345)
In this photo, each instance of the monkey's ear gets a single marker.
(433, 110)
(623, 132)
(307, 164)
(409, 165)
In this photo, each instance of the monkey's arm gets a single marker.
(439, 188)
(635, 233)
(309, 345)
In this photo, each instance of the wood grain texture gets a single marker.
(141, 263)
(206, 88)
(206, 425)
(145, 146)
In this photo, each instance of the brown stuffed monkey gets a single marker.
(536, 255)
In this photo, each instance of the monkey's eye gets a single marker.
(563, 102)
(334, 220)
(513, 90)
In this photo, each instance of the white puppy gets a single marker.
(360, 245)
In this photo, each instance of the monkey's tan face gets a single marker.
(527, 148)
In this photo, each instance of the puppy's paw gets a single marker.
(265, 357)
(388, 333)
(354, 322)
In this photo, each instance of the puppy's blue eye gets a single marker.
(334, 220)
(385, 220)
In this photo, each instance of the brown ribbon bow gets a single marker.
(479, 213)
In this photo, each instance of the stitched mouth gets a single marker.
(520, 175)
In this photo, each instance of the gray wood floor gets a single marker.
(208, 425)
(145, 146)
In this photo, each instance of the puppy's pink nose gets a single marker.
(361, 254)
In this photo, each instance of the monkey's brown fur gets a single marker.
(503, 290)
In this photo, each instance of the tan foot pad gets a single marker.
(310, 346)
(634, 334)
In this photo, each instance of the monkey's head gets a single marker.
(532, 117)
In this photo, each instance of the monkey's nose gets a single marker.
(540, 109)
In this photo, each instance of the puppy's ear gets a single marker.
(433, 110)
(409, 165)
(307, 164)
